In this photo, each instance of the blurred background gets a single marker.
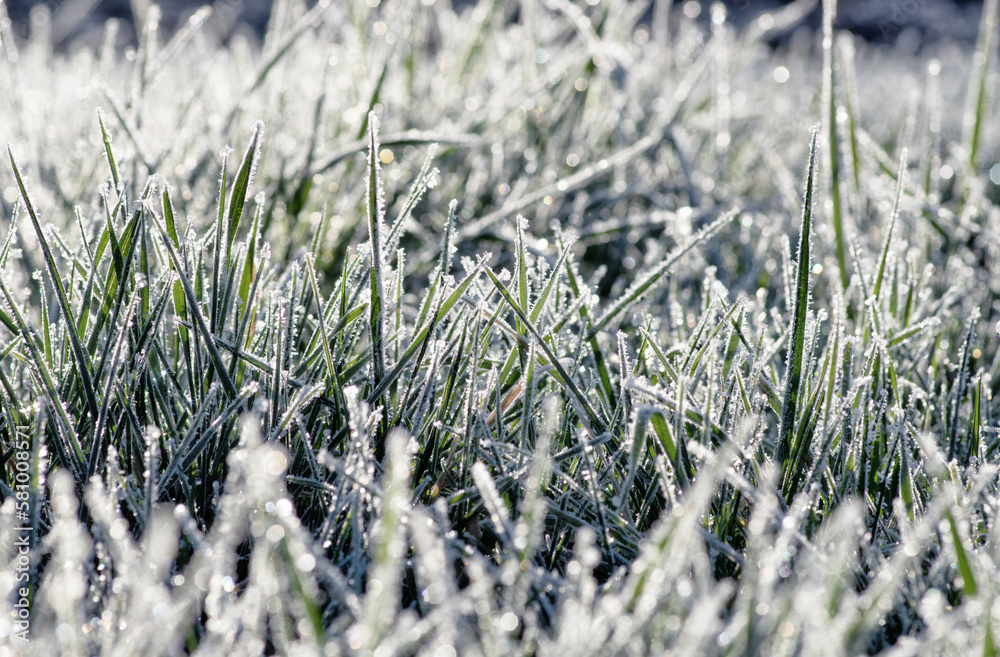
(910, 23)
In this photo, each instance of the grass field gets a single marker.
(558, 327)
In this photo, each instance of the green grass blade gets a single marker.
(880, 272)
(221, 258)
(422, 335)
(962, 384)
(550, 285)
(110, 155)
(331, 367)
(178, 290)
(423, 181)
(521, 266)
(249, 269)
(98, 445)
(961, 556)
(851, 106)
(800, 310)
(241, 186)
(114, 296)
(72, 449)
(82, 362)
(376, 308)
(565, 379)
(199, 317)
(833, 137)
(976, 113)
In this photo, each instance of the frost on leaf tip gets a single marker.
(256, 138)
(375, 165)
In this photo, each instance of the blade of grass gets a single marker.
(110, 155)
(880, 272)
(376, 212)
(199, 317)
(800, 310)
(98, 445)
(422, 335)
(833, 137)
(565, 379)
(244, 179)
(969, 587)
(136, 226)
(961, 386)
(977, 99)
(82, 362)
(74, 453)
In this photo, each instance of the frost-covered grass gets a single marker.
(725, 390)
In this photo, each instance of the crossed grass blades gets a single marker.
(300, 408)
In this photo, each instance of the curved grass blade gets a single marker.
(962, 385)
(83, 365)
(118, 285)
(221, 260)
(423, 181)
(543, 297)
(961, 556)
(178, 290)
(330, 365)
(406, 138)
(121, 265)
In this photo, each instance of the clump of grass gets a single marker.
(543, 387)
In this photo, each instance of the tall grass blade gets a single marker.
(244, 178)
(880, 271)
(82, 362)
(833, 137)
(376, 273)
(975, 113)
(800, 310)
